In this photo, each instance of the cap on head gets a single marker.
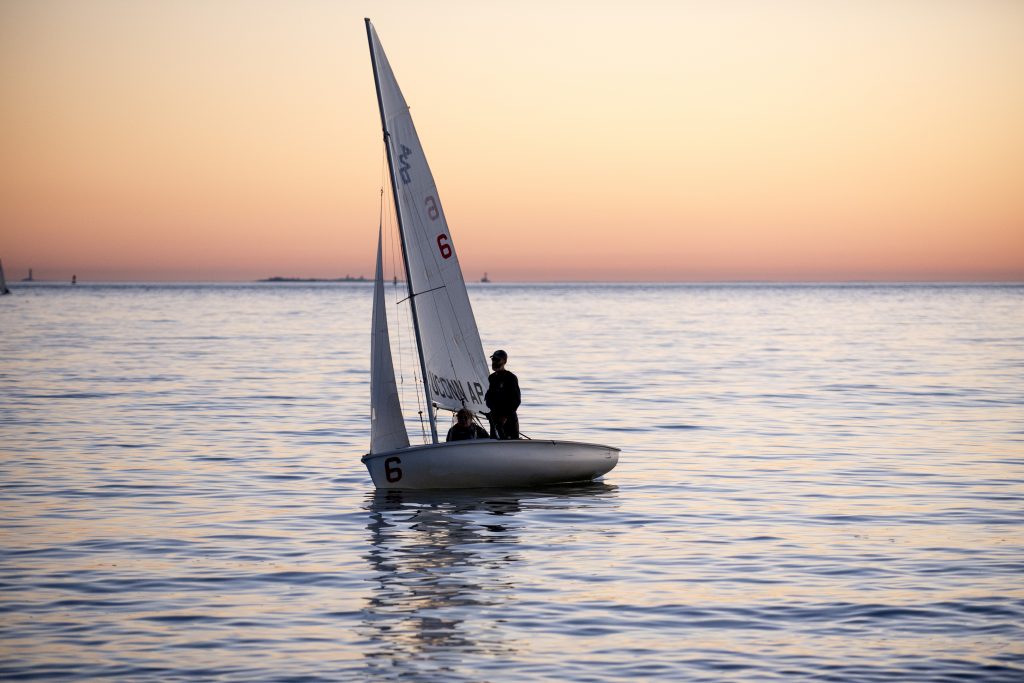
(499, 355)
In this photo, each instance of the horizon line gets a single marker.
(359, 280)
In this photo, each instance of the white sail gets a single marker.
(3, 282)
(453, 357)
(387, 429)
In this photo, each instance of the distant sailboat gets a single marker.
(451, 357)
(485, 278)
(29, 278)
(3, 282)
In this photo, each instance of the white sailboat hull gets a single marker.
(485, 463)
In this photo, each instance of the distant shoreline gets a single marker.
(45, 282)
(313, 279)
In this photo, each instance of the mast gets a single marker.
(401, 234)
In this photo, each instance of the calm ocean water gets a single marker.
(816, 483)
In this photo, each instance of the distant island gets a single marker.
(347, 278)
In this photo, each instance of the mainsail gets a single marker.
(453, 357)
(387, 429)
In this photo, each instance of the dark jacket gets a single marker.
(473, 431)
(502, 395)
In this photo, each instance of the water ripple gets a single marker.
(817, 484)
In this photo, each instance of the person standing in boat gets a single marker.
(464, 427)
(502, 398)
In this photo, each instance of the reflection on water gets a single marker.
(444, 565)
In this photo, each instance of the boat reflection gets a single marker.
(444, 566)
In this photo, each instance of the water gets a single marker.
(816, 483)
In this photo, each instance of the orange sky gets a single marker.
(732, 140)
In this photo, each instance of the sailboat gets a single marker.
(451, 356)
(3, 282)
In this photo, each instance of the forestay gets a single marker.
(453, 356)
(387, 429)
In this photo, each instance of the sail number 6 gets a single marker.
(391, 469)
(442, 244)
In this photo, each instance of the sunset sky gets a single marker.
(642, 140)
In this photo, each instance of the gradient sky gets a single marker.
(642, 140)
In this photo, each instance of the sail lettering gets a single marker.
(432, 211)
(447, 388)
(403, 169)
(444, 387)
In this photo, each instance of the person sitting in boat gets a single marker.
(464, 427)
(502, 398)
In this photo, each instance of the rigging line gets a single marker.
(390, 250)
(410, 334)
(427, 291)
(388, 205)
(380, 219)
(416, 375)
(398, 325)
